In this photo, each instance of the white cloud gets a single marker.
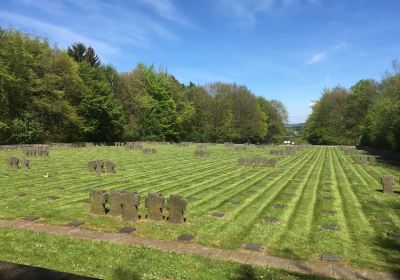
(166, 9)
(245, 12)
(317, 57)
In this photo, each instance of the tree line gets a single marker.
(368, 114)
(48, 94)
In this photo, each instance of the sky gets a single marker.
(288, 50)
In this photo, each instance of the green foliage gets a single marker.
(367, 114)
(69, 96)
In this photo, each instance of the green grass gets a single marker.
(210, 184)
(109, 261)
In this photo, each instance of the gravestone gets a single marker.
(75, 224)
(201, 153)
(176, 206)
(25, 163)
(130, 206)
(186, 237)
(253, 247)
(330, 258)
(271, 220)
(154, 203)
(114, 200)
(110, 166)
(127, 230)
(98, 199)
(330, 227)
(149, 151)
(388, 183)
(96, 166)
(279, 206)
(218, 214)
(30, 218)
(393, 234)
(12, 162)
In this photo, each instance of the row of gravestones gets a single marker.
(134, 146)
(348, 150)
(257, 162)
(388, 182)
(126, 204)
(149, 151)
(98, 166)
(36, 151)
(13, 163)
(201, 153)
(364, 159)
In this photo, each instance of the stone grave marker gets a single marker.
(330, 227)
(217, 214)
(98, 199)
(12, 162)
(21, 194)
(329, 212)
(52, 197)
(253, 247)
(110, 166)
(75, 223)
(271, 220)
(185, 238)
(130, 206)
(330, 258)
(30, 218)
(115, 202)
(279, 206)
(154, 203)
(176, 206)
(25, 163)
(96, 166)
(381, 218)
(149, 151)
(328, 197)
(127, 230)
(388, 183)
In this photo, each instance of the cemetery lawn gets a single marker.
(109, 261)
(317, 188)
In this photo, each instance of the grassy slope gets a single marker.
(109, 261)
(210, 184)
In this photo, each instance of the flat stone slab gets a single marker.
(271, 220)
(393, 234)
(330, 258)
(330, 227)
(217, 214)
(30, 218)
(329, 212)
(185, 237)
(127, 230)
(279, 206)
(75, 224)
(52, 197)
(21, 194)
(382, 218)
(235, 202)
(328, 197)
(252, 247)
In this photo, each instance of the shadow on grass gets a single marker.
(390, 248)
(123, 274)
(245, 272)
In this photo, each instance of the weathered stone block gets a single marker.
(154, 203)
(130, 206)
(12, 162)
(110, 166)
(176, 207)
(115, 202)
(98, 199)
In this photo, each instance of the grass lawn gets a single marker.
(307, 184)
(109, 261)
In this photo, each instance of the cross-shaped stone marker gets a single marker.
(253, 247)
(185, 237)
(127, 230)
(330, 258)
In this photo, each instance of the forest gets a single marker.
(49, 94)
(368, 114)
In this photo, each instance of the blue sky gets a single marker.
(281, 49)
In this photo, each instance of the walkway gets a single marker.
(333, 270)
